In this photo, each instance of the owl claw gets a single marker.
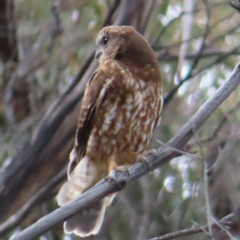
(151, 152)
(143, 157)
(120, 181)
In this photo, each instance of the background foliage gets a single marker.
(46, 52)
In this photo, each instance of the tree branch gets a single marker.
(220, 125)
(193, 230)
(163, 155)
(172, 93)
(8, 37)
(165, 55)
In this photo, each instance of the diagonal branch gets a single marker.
(194, 230)
(163, 155)
(220, 125)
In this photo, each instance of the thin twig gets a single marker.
(206, 188)
(192, 155)
(227, 17)
(171, 94)
(221, 124)
(107, 21)
(207, 200)
(57, 29)
(174, 56)
(193, 230)
(203, 43)
(224, 228)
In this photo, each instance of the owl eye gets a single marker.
(104, 40)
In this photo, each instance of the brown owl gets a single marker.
(121, 107)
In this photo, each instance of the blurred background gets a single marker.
(46, 58)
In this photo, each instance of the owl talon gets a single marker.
(120, 181)
(145, 155)
(121, 184)
(143, 159)
(151, 152)
(108, 178)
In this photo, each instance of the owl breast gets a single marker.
(126, 117)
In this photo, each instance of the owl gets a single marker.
(120, 109)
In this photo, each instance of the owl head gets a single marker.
(123, 43)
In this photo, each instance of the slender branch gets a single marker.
(112, 9)
(57, 29)
(227, 17)
(171, 94)
(206, 171)
(203, 43)
(223, 228)
(209, 214)
(161, 33)
(163, 155)
(154, 44)
(221, 124)
(193, 230)
(174, 56)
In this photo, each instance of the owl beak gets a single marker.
(98, 54)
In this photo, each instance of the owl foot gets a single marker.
(143, 157)
(120, 180)
(151, 152)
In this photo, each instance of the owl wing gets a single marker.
(93, 97)
(158, 113)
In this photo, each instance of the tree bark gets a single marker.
(8, 37)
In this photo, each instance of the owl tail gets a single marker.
(88, 221)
